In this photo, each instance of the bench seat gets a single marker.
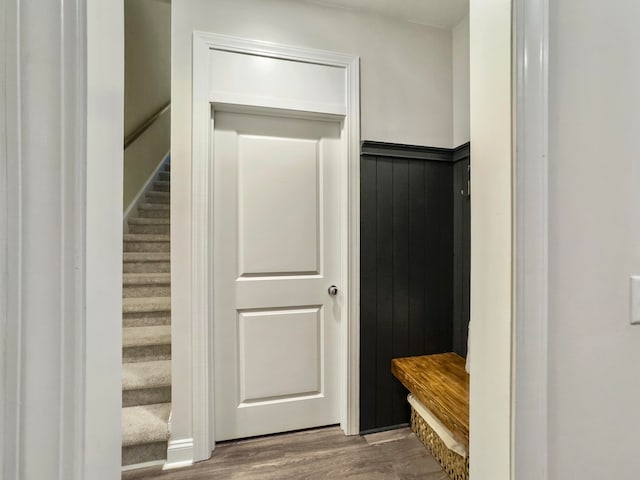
(440, 384)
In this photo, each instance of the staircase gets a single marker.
(146, 317)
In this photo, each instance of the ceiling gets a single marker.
(435, 13)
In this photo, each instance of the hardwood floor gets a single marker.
(311, 455)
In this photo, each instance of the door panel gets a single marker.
(280, 354)
(276, 252)
(278, 206)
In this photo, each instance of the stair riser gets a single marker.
(146, 396)
(146, 319)
(144, 213)
(165, 176)
(161, 187)
(163, 199)
(136, 291)
(153, 229)
(146, 354)
(147, 247)
(148, 452)
(146, 267)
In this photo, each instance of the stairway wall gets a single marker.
(147, 89)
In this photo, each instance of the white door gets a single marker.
(276, 253)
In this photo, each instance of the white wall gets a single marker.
(103, 237)
(147, 70)
(147, 88)
(594, 190)
(491, 249)
(406, 97)
(461, 87)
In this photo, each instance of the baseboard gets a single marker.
(137, 466)
(384, 429)
(132, 207)
(179, 454)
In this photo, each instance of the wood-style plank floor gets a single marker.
(311, 455)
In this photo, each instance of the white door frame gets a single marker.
(61, 117)
(202, 222)
(509, 376)
(530, 237)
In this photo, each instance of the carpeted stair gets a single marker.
(146, 317)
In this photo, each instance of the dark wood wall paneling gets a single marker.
(461, 248)
(408, 273)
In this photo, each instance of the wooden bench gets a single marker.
(441, 384)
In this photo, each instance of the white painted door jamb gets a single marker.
(201, 232)
(61, 117)
(529, 347)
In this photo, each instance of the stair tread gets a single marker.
(146, 270)
(146, 237)
(158, 196)
(149, 221)
(146, 257)
(146, 304)
(146, 278)
(142, 375)
(155, 206)
(146, 336)
(145, 424)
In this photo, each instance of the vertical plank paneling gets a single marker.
(368, 297)
(466, 271)
(445, 260)
(400, 320)
(407, 270)
(438, 272)
(417, 255)
(384, 260)
(459, 191)
(461, 256)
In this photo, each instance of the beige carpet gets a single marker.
(146, 321)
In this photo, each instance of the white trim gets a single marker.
(132, 209)
(273, 50)
(10, 284)
(63, 272)
(179, 454)
(103, 45)
(351, 417)
(137, 466)
(492, 247)
(202, 224)
(530, 356)
(268, 102)
(57, 94)
(278, 112)
(201, 264)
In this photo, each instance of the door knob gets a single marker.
(333, 290)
